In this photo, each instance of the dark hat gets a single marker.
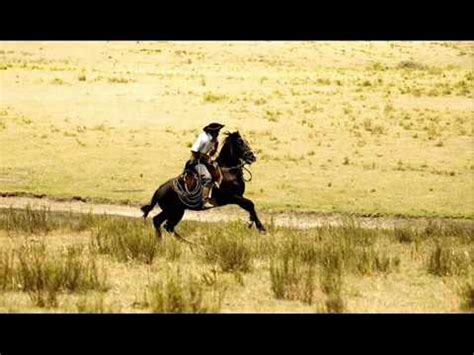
(213, 127)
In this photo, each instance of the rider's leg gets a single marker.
(206, 180)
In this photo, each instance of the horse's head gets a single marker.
(240, 148)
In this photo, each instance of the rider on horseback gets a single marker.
(202, 150)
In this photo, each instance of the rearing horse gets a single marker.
(235, 153)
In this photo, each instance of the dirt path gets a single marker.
(226, 213)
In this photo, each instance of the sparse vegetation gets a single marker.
(292, 280)
(228, 250)
(338, 128)
(125, 240)
(230, 266)
(446, 260)
(332, 283)
(95, 304)
(26, 221)
(43, 275)
(119, 80)
(467, 294)
(179, 294)
(373, 102)
(212, 98)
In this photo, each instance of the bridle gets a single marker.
(244, 160)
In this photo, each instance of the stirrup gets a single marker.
(206, 205)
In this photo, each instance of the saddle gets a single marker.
(188, 185)
(190, 177)
(189, 190)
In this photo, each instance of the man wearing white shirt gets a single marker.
(202, 150)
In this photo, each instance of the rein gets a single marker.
(239, 167)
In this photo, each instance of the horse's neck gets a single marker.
(226, 158)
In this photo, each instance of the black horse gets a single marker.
(234, 155)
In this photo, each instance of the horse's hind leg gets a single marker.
(173, 219)
(157, 221)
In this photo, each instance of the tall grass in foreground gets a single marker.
(308, 266)
(125, 240)
(7, 270)
(27, 220)
(462, 232)
(43, 275)
(179, 294)
(292, 280)
(331, 279)
(446, 260)
(43, 221)
(229, 248)
(467, 296)
(94, 304)
(329, 252)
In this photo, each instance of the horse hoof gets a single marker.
(262, 231)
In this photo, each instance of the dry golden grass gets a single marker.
(328, 269)
(358, 127)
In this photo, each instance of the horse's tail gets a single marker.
(154, 200)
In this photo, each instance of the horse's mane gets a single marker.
(230, 134)
(225, 155)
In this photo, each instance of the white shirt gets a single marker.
(203, 143)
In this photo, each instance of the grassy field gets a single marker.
(53, 262)
(352, 127)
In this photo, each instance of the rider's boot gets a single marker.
(206, 191)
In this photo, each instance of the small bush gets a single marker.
(272, 116)
(446, 261)
(125, 240)
(96, 304)
(210, 97)
(58, 81)
(467, 295)
(43, 275)
(378, 66)
(179, 295)
(170, 249)
(369, 262)
(292, 280)
(405, 235)
(409, 64)
(81, 222)
(27, 220)
(353, 248)
(460, 231)
(331, 281)
(378, 129)
(116, 80)
(230, 252)
(7, 270)
(43, 221)
(79, 274)
(301, 247)
(368, 124)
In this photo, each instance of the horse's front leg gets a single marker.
(249, 206)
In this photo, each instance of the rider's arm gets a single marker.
(197, 146)
(214, 148)
(196, 155)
